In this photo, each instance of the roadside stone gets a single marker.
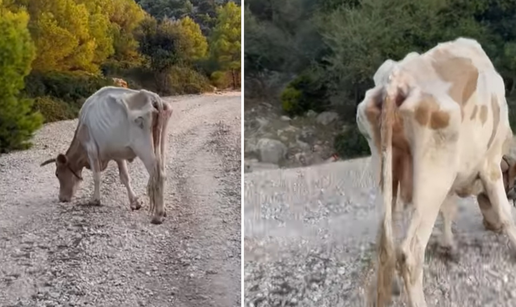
(326, 118)
(271, 151)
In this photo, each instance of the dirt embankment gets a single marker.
(70, 254)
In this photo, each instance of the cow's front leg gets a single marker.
(95, 167)
(134, 202)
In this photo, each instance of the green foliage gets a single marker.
(17, 120)
(290, 100)
(225, 40)
(184, 80)
(304, 93)
(346, 42)
(351, 144)
(193, 45)
(53, 109)
(70, 88)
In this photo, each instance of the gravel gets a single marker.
(309, 241)
(71, 254)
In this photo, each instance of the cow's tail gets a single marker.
(156, 185)
(386, 252)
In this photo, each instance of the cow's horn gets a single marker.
(48, 161)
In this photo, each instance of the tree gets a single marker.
(192, 45)
(17, 121)
(61, 32)
(225, 40)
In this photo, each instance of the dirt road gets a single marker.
(69, 254)
(312, 246)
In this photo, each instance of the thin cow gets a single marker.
(437, 127)
(118, 124)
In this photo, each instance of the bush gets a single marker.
(68, 87)
(184, 80)
(290, 98)
(305, 93)
(18, 121)
(351, 144)
(54, 109)
(221, 79)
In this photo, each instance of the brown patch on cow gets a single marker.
(495, 108)
(483, 114)
(474, 113)
(458, 71)
(428, 114)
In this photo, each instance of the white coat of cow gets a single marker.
(118, 124)
(437, 127)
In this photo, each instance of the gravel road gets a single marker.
(71, 254)
(312, 243)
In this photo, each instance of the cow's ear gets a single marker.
(61, 159)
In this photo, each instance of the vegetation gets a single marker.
(54, 54)
(335, 46)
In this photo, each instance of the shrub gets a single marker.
(54, 109)
(351, 144)
(221, 79)
(290, 98)
(184, 80)
(311, 96)
(17, 119)
(68, 87)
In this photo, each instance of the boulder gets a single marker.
(271, 151)
(326, 118)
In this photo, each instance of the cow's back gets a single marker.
(106, 119)
(462, 71)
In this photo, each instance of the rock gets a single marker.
(271, 151)
(303, 145)
(307, 135)
(285, 118)
(326, 118)
(311, 113)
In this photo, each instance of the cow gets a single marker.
(118, 124)
(437, 128)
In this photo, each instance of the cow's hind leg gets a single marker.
(490, 216)
(491, 178)
(156, 184)
(432, 181)
(134, 202)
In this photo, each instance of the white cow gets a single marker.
(437, 127)
(118, 124)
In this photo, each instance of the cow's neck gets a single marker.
(76, 154)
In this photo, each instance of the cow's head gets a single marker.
(508, 166)
(69, 178)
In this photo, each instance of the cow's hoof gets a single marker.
(448, 252)
(164, 213)
(136, 204)
(94, 202)
(157, 219)
(491, 227)
(396, 288)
